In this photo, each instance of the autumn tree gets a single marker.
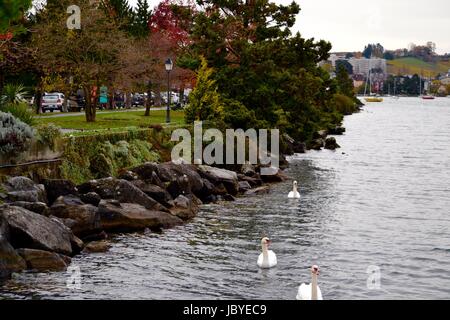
(84, 57)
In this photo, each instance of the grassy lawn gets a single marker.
(416, 66)
(111, 120)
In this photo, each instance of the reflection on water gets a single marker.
(380, 200)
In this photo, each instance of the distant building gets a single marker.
(363, 65)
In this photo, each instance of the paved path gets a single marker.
(74, 114)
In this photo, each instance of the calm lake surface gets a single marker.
(382, 200)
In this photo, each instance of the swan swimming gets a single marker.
(267, 259)
(310, 291)
(294, 194)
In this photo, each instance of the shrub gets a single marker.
(205, 103)
(14, 134)
(13, 94)
(20, 111)
(49, 134)
(344, 104)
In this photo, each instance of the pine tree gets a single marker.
(142, 16)
(205, 102)
(120, 11)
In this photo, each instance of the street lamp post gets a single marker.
(169, 67)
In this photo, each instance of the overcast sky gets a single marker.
(351, 24)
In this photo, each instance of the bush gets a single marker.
(205, 103)
(20, 111)
(14, 134)
(13, 94)
(49, 134)
(344, 104)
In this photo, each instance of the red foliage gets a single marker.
(172, 25)
(6, 36)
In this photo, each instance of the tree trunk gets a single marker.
(158, 95)
(148, 101)
(91, 106)
(181, 95)
(128, 100)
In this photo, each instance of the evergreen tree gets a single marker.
(142, 15)
(205, 102)
(120, 11)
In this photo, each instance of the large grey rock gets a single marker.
(97, 246)
(179, 186)
(244, 186)
(38, 207)
(59, 187)
(124, 217)
(85, 216)
(184, 208)
(91, 198)
(155, 192)
(331, 144)
(217, 176)
(31, 230)
(121, 190)
(10, 261)
(42, 261)
(24, 189)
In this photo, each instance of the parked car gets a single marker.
(138, 100)
(76, 103)
(52, 101)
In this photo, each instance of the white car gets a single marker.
(53, 101)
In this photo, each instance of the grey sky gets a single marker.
(351, 24)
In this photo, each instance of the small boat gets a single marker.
(428, 97)
(373, 99)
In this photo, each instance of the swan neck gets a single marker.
(314, 287)
(294, 188)
(265, 252)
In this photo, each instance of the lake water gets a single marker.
(381, 200)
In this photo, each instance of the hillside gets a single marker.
(405, 66)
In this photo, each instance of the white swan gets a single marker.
(294, 194)
(310, 291)
(267, 259)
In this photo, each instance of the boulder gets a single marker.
(248, 170)
(217, 176)
(259, 190)
(338, 130)
(59, 187)
(317, 144)
(43, 261)
(97, 247)
(207, 190)
(125, 217)
(172, 171)
(91, 198)
(184, 208)
(155, 192)
(10, 260)
(331, 144)
(85, 216)
(179, 186)
(31, 230)
(146, 171)
(38, 207)
(244, 186)
(253, 181)
(128, 175)
(276, 175)
(24, 189)
(121, 190)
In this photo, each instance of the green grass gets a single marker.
(417, 66)
(114, 120)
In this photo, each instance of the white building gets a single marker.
(363, 65)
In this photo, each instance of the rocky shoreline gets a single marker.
(42, 226)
